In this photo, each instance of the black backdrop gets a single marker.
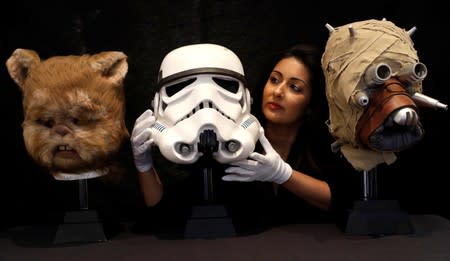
(147, 30)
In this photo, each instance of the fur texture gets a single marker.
(74, 109)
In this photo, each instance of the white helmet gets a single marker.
(198, 59)
(203, 106)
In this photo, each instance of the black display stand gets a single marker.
(209, 220)
(80, 226)
(372, 216)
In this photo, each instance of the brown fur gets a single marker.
(72, 100)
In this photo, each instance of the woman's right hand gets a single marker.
(141, 141)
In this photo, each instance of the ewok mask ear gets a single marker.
(112, 65)
(19, 64)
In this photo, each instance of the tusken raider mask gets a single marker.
(373, 87)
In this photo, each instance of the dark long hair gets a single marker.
(316, 114)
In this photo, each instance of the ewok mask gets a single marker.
(74, 108)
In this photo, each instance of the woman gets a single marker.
(309, 181)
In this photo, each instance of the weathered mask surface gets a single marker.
(373, 87)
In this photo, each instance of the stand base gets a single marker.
(208, 222)
(378, 217)
(80, 226)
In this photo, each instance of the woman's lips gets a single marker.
(273, 106)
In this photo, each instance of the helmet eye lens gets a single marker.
(174, 88)
(228, 84)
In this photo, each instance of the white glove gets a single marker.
(269, 167)
(141, 141)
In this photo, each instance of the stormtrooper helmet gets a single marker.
(203, 106)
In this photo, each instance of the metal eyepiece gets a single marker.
(377, 74)
(413, 73)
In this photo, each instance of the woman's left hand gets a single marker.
(259, 167)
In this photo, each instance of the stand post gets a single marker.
(83, 194)
(209, 220)
(370, 184)
(80, 226)
(372, 216)
(208, 195)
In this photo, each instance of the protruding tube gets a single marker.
(360, 98)
(423, 100)
(329, 27)
(413, 73)
(351, 30)
(412, 30)
(377, 74)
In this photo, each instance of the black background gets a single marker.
(147, 30)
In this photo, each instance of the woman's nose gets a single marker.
(279, 90)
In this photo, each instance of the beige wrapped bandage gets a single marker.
(359, 59)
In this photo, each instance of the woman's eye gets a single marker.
(297, 88)
(274, 80)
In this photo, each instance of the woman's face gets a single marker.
(287, 92)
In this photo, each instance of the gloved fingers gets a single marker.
(147, 144)
(141, 149)
(146, 114)
(258, 158)
(236, 177)
(239, 170)
(265, 142)
(245, 164)
(143, 123)
(142, 138)
(261, 131)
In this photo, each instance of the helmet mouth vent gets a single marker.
(206, 104)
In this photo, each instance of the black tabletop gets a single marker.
(429, 241)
